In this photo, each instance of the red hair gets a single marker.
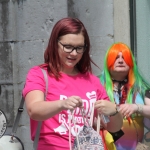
(61, 28)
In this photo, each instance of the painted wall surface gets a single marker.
(143, 48)
(121, 21)
(143, 36)
(25, 27)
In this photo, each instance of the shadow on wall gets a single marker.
(71, 12)
(6, 72)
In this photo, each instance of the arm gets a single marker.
(143, 109)
(40, 110)
(37, 108)
(107, 108)
(115, 123)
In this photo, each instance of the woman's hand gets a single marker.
(128, 109)
(105, 107)
(108, 108)
(71, 103)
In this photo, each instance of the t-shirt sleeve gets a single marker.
(101, 93)
(34, 81)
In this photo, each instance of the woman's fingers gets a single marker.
(105, 107)
(128, 109)
(72, 102)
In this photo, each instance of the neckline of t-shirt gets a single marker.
(76, 75)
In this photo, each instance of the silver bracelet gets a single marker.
(140, 108)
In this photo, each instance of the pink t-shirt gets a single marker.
(55, 131)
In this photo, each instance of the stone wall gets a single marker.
(25, 27)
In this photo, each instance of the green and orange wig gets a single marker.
(135, 81)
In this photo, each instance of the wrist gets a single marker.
(140, 108)
(117, 110)
(137, 108)
(61, 105)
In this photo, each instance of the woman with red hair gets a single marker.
(71, 85)
(126, 87)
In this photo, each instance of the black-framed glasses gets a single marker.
(70, 48)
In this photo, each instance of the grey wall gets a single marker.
(143, 43)
(25, 27)
(143, 36)
(122, 21)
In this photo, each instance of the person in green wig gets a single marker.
(126, 87)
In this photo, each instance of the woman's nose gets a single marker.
(120, 59)
(74, 52)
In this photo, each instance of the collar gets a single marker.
(121, 82)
